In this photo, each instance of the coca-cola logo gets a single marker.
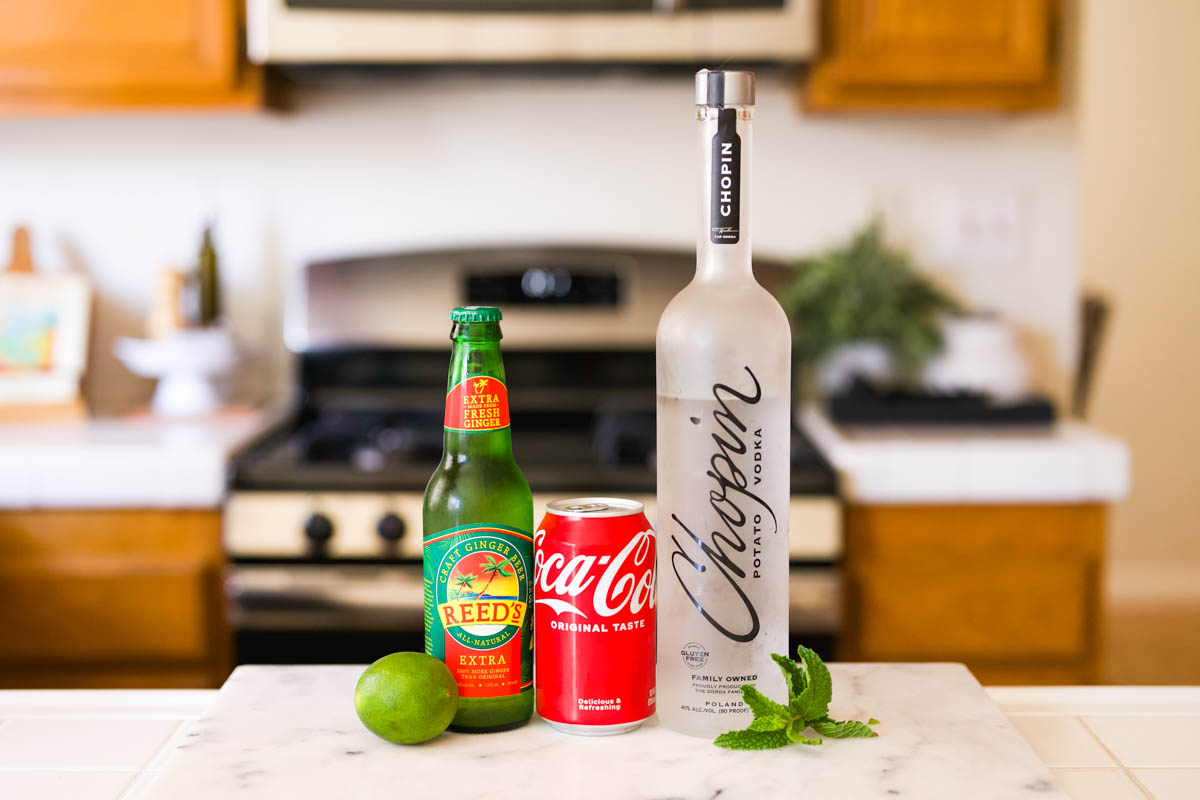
(625, 581)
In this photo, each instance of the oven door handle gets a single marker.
(327, 597)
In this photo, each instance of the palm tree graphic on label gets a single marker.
(492, 567)
(462, 583)
(480, 385)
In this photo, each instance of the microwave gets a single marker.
(530, 31)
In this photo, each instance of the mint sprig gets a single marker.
(810, 689)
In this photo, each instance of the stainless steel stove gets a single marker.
(324, 522)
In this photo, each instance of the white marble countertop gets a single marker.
(292, 732)
(1067, 463)
(124, 462)
(1100, 743)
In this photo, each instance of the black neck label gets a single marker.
(726, 195)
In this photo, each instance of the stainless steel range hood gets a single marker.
(530, 31)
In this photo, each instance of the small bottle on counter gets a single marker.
(208, 283)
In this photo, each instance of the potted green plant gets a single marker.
(863, 301)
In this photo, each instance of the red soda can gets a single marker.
(594, 629)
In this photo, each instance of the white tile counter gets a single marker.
(1101, 743)
(134, 462)
(1066, 463)
(90, 745)
(1112, 743)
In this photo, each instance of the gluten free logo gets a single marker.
(695, 655)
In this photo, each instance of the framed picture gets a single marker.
(43, 337)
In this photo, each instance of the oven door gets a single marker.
(323, 613)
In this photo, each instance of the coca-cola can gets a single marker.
(594, 615)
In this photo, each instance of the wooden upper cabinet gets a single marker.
(935, 55)
(64, 54)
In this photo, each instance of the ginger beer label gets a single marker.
(477, 607)
(477, 403)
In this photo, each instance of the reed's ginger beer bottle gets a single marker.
(478, 539)
(724, 379)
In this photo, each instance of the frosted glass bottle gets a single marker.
(724, 409)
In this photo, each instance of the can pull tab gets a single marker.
(586, 508)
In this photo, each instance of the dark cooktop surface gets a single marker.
(317, 455)
(372, 421)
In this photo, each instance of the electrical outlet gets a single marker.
(983, 228)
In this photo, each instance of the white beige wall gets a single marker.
(1139, 129)
(476, 157)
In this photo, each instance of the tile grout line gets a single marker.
(131, 786)
(1128, 773)
(135, 779)
(161, 746)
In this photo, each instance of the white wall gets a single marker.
(473, 158)
(1140, 176)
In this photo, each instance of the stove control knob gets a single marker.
(390, 527)
(319, 529)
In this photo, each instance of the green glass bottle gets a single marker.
(478, 539)
(206, 277)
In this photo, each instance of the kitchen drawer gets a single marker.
(86, 533)
(972, 534)
(150, 613)
(1009, 612)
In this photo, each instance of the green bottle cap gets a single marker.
(475, 314)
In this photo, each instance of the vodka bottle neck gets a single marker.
(723, 229)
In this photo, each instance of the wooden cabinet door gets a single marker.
(70, 53)
(935, 54)
(112, 597)
(1012, 591)
(106, 614)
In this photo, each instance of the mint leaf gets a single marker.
(813, 702)
(768, 724)
(751, 740)
(792, 674)
(763, 706)
(795, 733)
(810, 689)
(842, 730)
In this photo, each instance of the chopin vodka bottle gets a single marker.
(724, 381)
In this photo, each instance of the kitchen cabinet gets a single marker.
(65, 55)
(935, 55)
(1011, 591)
(112, 598)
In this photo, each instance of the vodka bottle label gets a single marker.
(717, 548)
(726, 190)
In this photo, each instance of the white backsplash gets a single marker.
(468, 158)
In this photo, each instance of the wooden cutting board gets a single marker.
(291, 732)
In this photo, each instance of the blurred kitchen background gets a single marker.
(980, 215)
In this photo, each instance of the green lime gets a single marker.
(406, 698)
